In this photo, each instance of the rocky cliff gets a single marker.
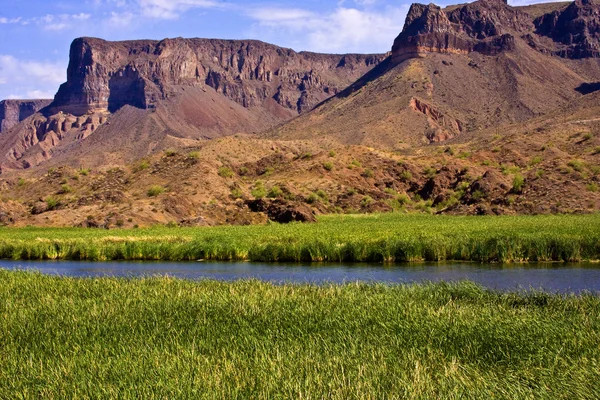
(14, 111)
(492, 26)
(105, 76)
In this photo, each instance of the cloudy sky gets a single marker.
(35, 34)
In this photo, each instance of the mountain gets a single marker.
(171, 91)
(458, 70)
(479, 108)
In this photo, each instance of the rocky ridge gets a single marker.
(105, 76)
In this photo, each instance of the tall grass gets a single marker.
(370, 238)
(167, 338)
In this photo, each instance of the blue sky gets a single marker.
(35, 34)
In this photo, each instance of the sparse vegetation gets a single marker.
(332, 153)
(84, 171)
(592, 187)
(141, 165)
(236, 193)
(328, 166)
(429, 172)
(243, 171)
(368, 173)
(518, 183)
(170, 153)
(406, 175)
(576, 164)
(259, 191)
(275, 192)
(194, 155)
(535, 160)
(155, 190)
(65, 188)
(225, 172)
(52, 203)
(366, 201)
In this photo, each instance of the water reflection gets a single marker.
(555, 277)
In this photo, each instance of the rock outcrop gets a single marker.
(485, 26)
(105, 76)
(492, 26)
(574, 30)
(14, 111)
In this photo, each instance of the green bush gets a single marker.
(518, 183)
(155, 190)
(328, 165)
(275, 192)
(225, 172)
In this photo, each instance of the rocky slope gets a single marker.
(480, 108)
(188, 88)
(14, 111)
(458, 70)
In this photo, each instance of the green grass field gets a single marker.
(358, 238)
(167, 338)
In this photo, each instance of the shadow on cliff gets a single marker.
(587, 88)
(381, 69)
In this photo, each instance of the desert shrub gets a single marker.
(243, 171)
(225, 172)
(274, 192)
(576, 164)
(155, 190)
(194, 155)
(368, 173)
(328, 166)
(52, 203)
(259, 191)
(236, 193)
(535, 160)
(430, 172)
(366, 201)
(406, 175)
(141, 165)
(170, 153)
(518, 183)
(65, 189)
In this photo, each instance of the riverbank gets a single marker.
(168, 338)
(335, 238)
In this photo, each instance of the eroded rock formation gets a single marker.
(14, 111)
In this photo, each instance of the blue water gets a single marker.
(553, 277)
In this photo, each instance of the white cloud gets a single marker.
(59, 22)
(30, 79)
(172, 9)
(345, 29)
(4, 20)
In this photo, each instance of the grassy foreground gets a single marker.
(374, 238)
(168, 338)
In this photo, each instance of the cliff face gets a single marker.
(105, 76)
(14, 111)
(492, 26)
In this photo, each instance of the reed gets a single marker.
(348, 238)
(169, 338)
